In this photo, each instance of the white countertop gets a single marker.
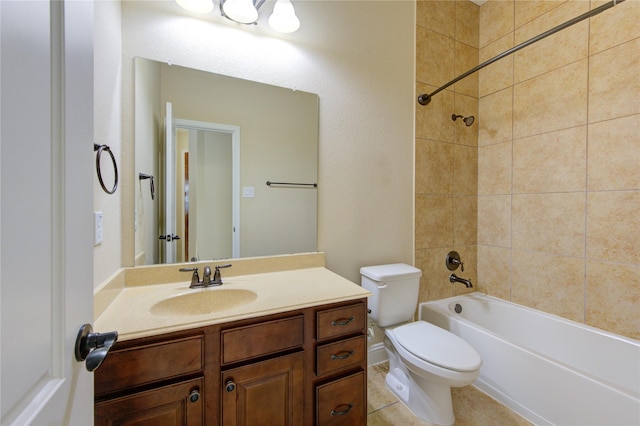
(130, 312)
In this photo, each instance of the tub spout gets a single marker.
(453, 278)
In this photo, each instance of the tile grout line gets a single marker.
(382, 408)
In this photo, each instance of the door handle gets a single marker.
(93, 347)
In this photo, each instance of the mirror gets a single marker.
(226, 139)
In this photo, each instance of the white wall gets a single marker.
(359, 58)
(107, 130)
(148, 136)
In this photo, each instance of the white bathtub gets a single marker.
(548, 369)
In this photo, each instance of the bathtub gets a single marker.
(550, 370)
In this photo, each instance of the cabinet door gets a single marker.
(264, 393)
(178, 404)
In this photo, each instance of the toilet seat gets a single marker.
(438, 346)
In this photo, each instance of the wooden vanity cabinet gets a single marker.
(301, 367)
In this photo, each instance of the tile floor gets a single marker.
(471, 407)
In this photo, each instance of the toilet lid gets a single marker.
(438, 346)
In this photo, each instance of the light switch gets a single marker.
(248, 192)
(98, 234)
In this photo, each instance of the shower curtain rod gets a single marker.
(424, 99)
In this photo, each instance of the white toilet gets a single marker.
(425, 361)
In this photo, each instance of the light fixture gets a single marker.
(198, 6)
(283, 19)
(467, 120)
(242, 11)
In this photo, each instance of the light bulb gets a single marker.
(284, 17)
(242, 11)
(198, 6)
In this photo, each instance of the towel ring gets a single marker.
(100, 149)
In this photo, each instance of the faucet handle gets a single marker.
(453, 261)
(217, 278)
(195, 278)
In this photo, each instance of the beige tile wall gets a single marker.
(447, 40)
(559, 161)
(541, 196)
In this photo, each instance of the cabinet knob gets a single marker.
(230, 386)
(194, 396)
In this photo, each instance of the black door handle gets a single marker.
(93, 347)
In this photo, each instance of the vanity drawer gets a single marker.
(150, 363)
(243, 343)
(340, 321)
(340, 354)
(342, 402)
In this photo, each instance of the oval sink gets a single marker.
(203, 302)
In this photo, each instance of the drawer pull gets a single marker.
(343, 412)
(345, 321)
(346, 355)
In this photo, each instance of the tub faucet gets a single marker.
(453, 278)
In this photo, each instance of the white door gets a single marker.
(46, 181)
(211, 217)
(169, 227)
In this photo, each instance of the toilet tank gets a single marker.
(394, 292)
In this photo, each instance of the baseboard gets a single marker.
(376, 354)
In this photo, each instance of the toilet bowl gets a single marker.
(425, 361)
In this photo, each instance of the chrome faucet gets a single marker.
(206, 278)
(453, 278)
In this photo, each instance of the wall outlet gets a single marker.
(248, 192)
(98, 229)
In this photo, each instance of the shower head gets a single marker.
(467, 120)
